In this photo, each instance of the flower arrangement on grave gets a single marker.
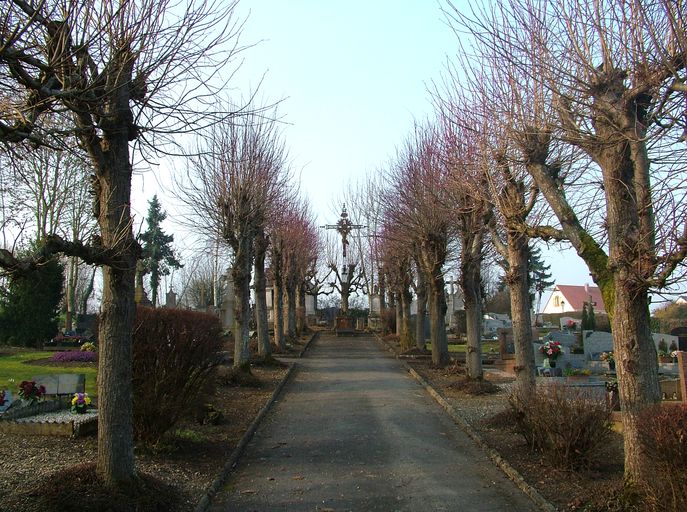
(607, 357)
(30, 392)
(612, 386)
(673, 354)
(80, 403)
(2, 397)
(551, 349)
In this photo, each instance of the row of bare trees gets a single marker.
(563, 121)
(236, 190)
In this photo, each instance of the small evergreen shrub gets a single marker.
(175, 353)
(74, 356)
(567, 425)
(663, 434)
(89, 346)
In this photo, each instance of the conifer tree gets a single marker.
(158, 255)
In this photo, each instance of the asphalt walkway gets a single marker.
(354, 432)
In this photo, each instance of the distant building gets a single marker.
(570, 299)
(682, 299)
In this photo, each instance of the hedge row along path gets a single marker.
(353, 431)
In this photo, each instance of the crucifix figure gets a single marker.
(344, 228)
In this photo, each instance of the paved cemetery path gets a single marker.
(353, 431)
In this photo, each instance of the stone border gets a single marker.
(231, 463)
(500, 462)
(206, 499)
(312, 340)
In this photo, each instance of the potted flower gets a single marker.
(609, 358)
(80, 403)
(551, 350)
(663, 353)
(30, 392)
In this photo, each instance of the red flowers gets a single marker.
(29, 391)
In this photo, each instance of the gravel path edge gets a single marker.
(495, 456)
(206, 499)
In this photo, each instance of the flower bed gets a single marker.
(74, 356)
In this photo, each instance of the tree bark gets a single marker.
(437, 320)
(399, 314)
(471, 284)
(300, 310)
(70, 298)
(406, 336)
(241, 273)
(115, 432)
(516, 277)
(264, 347)
(421, 293)
(278, 305)
(290, 296)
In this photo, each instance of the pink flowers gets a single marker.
(551, 349)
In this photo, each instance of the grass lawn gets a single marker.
(13, 370)
(460, 347)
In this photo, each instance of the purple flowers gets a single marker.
(71, 356)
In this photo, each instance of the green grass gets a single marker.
(486, 346)
(13, 370)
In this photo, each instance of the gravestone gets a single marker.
(565, 338)
(8, 400)
(62, 383)
(376, 305)
(171, 299)
(596, 343)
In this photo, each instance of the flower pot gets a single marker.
(552, 362)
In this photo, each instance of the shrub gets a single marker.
(174, 356)
(74, 356)
(89, 346)
(568, 425)
(663, 434)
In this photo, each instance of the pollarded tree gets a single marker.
(236, 174)
(417, 204)
(612, 77)
(472, 214)
(114, 70)
(158, 254)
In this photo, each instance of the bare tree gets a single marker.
(472, 214)
(125, 72)
(236, 174)
(417, 202)
(608, 79)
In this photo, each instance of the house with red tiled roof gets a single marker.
(570, 299)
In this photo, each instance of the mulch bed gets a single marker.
(49, 473)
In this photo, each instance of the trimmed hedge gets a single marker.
(175, 353)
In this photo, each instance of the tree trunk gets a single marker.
(70, 299)
(278, 305)
(399, 314)
(290, 311)
(437, 320)
(87, 293)
(421, 293)
(406, 338)
(264, 347)
(517, 279)
(637, 367)
(115, 431)
(300, 311)
(241, 272)
(472, 295)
